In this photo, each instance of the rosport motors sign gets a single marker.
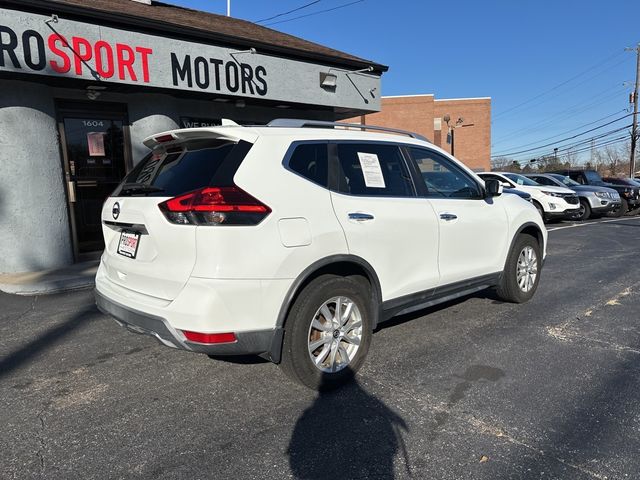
(35, 44)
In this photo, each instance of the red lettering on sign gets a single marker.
(144, 53)
(104, 66)
(82, 52)
(125, 62)
(66, 63)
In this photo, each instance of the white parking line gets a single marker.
(575, 225)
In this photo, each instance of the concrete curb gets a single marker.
(78, 276)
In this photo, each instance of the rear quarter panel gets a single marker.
(300, 230)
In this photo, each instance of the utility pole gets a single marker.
(228, 8)
(634, 128)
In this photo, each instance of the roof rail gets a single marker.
(299, 123)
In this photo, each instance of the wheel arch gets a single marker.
(340, 265)
(529, 228)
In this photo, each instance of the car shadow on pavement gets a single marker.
(488, 294)
(46, 340)
(348, 433)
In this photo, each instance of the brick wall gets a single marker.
(423, 114)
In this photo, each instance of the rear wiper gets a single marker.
(139, 188)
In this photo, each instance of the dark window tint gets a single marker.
(442, 177)
(374, 170)
(545, 181)
(184, 169)
(310, 161)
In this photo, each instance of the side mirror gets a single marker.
(492, 187)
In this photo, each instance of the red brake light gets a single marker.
(210, 337)
(164, 138)
(215, 206)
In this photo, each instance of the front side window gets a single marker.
(442, 177)
(373, 169)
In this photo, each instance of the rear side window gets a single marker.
(373, 170)
(310, 161)
(184, 169)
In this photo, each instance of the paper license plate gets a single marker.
(128, 245)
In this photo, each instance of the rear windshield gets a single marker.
(183, 169)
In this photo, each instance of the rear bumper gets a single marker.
(260, 342)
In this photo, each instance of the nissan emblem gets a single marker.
(115, 211)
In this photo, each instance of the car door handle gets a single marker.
(360, 217)
(448, 216)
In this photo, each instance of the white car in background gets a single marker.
(553, 203)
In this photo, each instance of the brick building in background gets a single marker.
(425, 114)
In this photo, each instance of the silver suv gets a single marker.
(594, 200)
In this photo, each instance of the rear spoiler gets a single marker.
(226, 133)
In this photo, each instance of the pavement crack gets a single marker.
(40, 438)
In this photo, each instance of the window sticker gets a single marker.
(96, 144)
(371, 170)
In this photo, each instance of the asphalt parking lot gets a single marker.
(474, 389)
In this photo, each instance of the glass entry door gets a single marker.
(95, 152)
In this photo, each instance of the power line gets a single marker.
(559, 85)
(562, 114)
(314, 13)
(605, 143)
(565, 148)
(565, 139)
(568, 131)
(290, 11)
(573, 87)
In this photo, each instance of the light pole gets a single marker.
(634, 128)
(451, 130)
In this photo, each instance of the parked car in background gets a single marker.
(552, 202)
(295, 240)
(629, 195)
(593, 200)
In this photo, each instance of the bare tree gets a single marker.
(499, 164)
(612, 161)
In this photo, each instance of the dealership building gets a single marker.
(461, 126)
(83, 82)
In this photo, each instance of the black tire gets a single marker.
(540, 210)
(296, 358)
(508, 289)
(585, 211)
(618, 212)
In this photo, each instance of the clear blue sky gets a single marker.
(511, 51)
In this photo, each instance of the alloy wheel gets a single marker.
(335, 334)
(527, 269)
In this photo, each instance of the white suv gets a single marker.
(553, 202)
(294, 240)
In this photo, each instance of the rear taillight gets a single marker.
(215, 206)
(209, 338)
